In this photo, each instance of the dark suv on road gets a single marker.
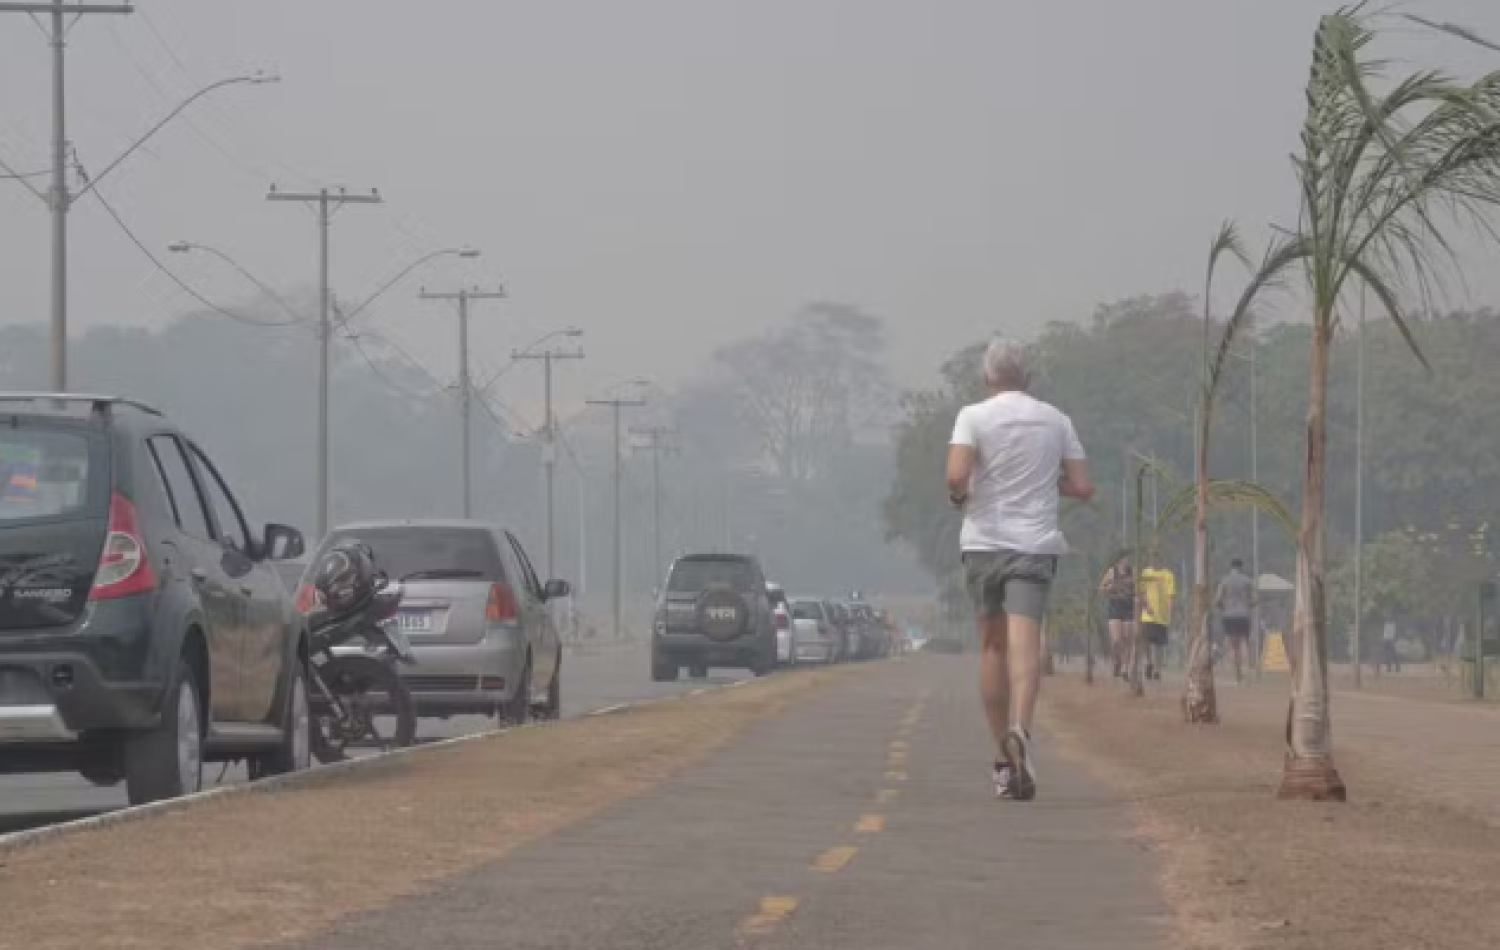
(714, 612)
(143, 628)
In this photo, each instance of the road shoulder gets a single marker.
(244, 870)
(1397, 866)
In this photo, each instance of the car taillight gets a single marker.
(782, 621)
(307, 598)
(501, 605)
(123, 567)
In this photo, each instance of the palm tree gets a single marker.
(1199, 702)
(1376, 171)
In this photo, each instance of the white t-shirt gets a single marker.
(1019, 447)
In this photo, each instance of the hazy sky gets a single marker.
(669, 173)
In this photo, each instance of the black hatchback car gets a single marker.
(714, 612)
(143, 629)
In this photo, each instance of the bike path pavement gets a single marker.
(861, 817)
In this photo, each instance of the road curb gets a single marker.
(21, 840)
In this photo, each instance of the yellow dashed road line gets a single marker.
(773, 910)
(835, 859)
(894, 776)
(887, 795)
(870, 824)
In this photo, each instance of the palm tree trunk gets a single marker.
(1199, 700)
(1309, 772)
(1200, 704)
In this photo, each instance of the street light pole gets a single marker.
(465, 387)
(325, 202)
(549, 430)
(1359, 494)
(616, 405)
(58, 198)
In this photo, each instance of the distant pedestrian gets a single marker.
(1390, 656)
(1009, 460)
(1236, 605)
(1157, 589)
(1118, 587)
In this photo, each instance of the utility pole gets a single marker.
(549, 433)
(325, 202)
(616, 405)
(465, 387)
(656, 442)
(1359, 494)
(1254, 512)
(59, 199)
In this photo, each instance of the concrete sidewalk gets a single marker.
(863, 817)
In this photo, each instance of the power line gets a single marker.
(186, 288)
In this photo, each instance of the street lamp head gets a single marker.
(468, 253)
(179, 247)
(572, 332)
(260, 76)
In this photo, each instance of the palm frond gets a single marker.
(1453, 29)
(1226, 493)
(1393, 309)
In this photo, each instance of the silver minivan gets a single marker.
(476, 614)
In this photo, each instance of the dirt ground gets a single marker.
(1391, 868)
(253, 869)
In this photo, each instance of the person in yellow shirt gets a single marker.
(1157, 595)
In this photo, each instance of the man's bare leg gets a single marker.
(995, 677)
(1025, 655)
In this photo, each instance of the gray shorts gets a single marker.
(1008, 582)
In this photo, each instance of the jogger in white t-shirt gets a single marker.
(1010, 459)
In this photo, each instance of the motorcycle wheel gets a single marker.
(367, 688)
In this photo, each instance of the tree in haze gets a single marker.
(1379, 173)
(809, 387)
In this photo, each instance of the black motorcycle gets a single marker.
(355, 658)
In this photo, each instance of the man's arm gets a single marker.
(961, 458)
(1075, 481)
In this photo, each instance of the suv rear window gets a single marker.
(51, 471)
(403, 550)
(695, 574)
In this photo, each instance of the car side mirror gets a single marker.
(556, 590)
(282, 543)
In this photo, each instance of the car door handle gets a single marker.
(199, 575)
(247, 590)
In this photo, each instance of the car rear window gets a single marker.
(694, 574)
(403, 550)
(806, 610)
(51, 471)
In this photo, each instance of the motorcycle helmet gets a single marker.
(345, 576)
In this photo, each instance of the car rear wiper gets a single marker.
(444, 574)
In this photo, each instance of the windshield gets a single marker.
(695, 574)
(416, 552)
(47, 472)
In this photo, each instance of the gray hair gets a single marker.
(1007, 364)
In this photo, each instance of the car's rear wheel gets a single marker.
(167, 762)
(517, 712)
(294, 753)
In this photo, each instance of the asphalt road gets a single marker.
(862, 816)
(590, 681)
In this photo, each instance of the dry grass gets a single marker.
(1241, 870)
(261, 868)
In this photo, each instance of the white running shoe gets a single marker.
(1022, 786)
